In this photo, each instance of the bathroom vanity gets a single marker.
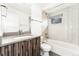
(20, 46)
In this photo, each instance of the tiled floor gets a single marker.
(53, 54)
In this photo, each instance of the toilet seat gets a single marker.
(45, 47)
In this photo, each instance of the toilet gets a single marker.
(45, 48)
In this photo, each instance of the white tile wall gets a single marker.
(68, 30)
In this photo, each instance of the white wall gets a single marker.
(66, 31)
(65, 36)
(15, 19)
(36, 14)
(0, 23)
(35, 28)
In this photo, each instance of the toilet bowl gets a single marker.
(45, 49)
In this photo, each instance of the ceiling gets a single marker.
(26, 7)
(46, 6)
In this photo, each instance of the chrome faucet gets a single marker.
(20, 32)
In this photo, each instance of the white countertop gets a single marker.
(10, 40)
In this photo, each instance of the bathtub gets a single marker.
(63, 48)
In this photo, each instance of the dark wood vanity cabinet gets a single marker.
(29, 47)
